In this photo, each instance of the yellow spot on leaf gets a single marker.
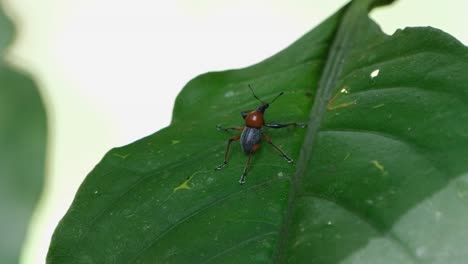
(175, 142)
(184, 185)
(347, 156)
(378, 106)
(345, 90)
(121, 155)
(342, 105)
(379, 166)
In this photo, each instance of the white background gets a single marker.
(109, 70)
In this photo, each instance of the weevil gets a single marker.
(252, 134)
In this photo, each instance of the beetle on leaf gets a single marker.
(252, 134)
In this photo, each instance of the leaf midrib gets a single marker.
(341, 44)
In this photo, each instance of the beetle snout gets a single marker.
(263, 107)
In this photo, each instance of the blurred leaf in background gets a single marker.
(23, 133)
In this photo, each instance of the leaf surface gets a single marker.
(380, 173)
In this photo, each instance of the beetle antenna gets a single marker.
(255, 94)
(277, 97)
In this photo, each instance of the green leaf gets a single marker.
(22, 151)
(381, 174)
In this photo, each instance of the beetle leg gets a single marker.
(219, 128)
(226, 155)
(247, 166)
(268, 139)
(285, 125)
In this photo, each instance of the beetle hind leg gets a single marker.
(226, 155)
(286, 157)
(220, 166)
(246, 170)
(247, 165)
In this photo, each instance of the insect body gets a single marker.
(252, 134)
(249, 138)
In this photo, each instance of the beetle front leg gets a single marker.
(219, 128)
(286, 157)
(226, 155)
(285, 125)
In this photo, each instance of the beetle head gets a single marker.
(264, 105)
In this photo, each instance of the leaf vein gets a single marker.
(198, 211)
